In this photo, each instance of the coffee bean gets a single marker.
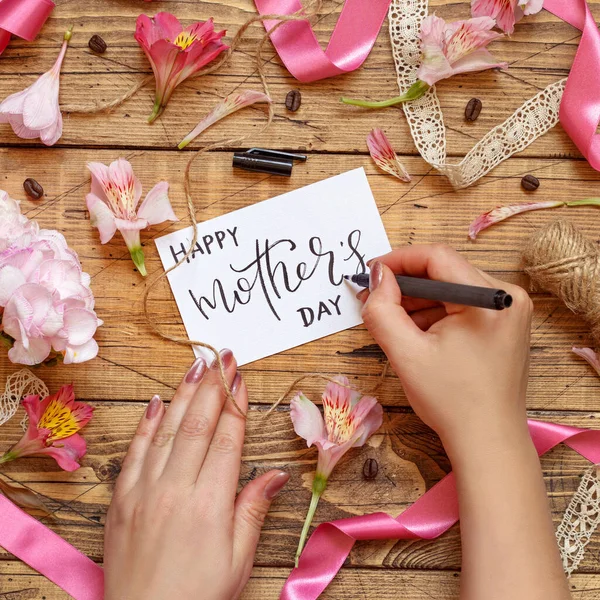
(97, 44)
(293, 100)
(33, 189)
(530, 183)
(473, 109)
(370, 468)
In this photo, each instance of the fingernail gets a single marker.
(235, 386)
(196, 372)
(275, 485)
(153, 407)
(226, 356)
(376, 275)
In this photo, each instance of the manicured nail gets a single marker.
(153, 407)
(196, 372)
(275, 484)
(226, 356)
(376, 275)
(237, 381)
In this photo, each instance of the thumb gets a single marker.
(384, 316)
(251, 508)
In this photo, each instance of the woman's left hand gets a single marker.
(175, 528)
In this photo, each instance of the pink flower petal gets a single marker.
(500, 213)
(40, 107)
(590, 356)
(229, 105)
(101, 217)
(11, 278)
(384, 156)
(37, 352)
(368, 416)
(79, 354)
(307, 419)
(156, 207)
(66, 452)
(50, 135)
(79, 326)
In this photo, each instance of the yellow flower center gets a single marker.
(185, 39)
(339, 422)
(60, 420)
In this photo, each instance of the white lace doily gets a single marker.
(19, 384)
(424, 116)
(580, 520)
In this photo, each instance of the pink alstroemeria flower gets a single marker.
(175, 53)
(113, 204)
(229, 105)
(448, 49)
(506, 12)
(52, 429)
(350, 419)
(35, 112)
(384, 155)
(590, 356)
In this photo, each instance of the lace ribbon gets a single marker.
(18, 385)
(580, 520)
(579, 113)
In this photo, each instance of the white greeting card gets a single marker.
(269, 277)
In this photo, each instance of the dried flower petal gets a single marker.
(384, 156)
(229, 105)
(504, 212)
(590, 356)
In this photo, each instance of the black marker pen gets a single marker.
(442, 291)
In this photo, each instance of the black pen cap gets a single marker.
(262, 164)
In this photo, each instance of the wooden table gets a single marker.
(133, 364)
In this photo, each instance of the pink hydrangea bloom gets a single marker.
(506, 12)
(46, 304)
(35, 112)
(113, 204)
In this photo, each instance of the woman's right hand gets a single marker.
(464, 369)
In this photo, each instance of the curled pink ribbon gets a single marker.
(350, 44)
(430, 516)
(23, 18)
(580, 105)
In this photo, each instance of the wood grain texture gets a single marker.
(133, 364)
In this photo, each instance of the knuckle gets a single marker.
(224, 443)
(163, 437)
(194, 426)
(372, 312)
(254, 516)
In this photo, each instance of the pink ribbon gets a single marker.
(580, 106)
(350, 44)
(430, 516)
(48, 553)
(23, 18)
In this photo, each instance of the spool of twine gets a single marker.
(561, 260)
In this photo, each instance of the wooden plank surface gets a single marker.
(133, 364)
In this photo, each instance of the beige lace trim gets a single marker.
(580, 520)
(19, 384)
(424, 116)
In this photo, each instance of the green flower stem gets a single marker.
(318, 487)
(157, 110)
(584, 202)
(415, 91)
(8, 456)
(68, 34)
(137, 256)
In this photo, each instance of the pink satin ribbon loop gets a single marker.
(351, 41)
(23, 18)
(580, 105)
(428, 518)
(48, 553)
